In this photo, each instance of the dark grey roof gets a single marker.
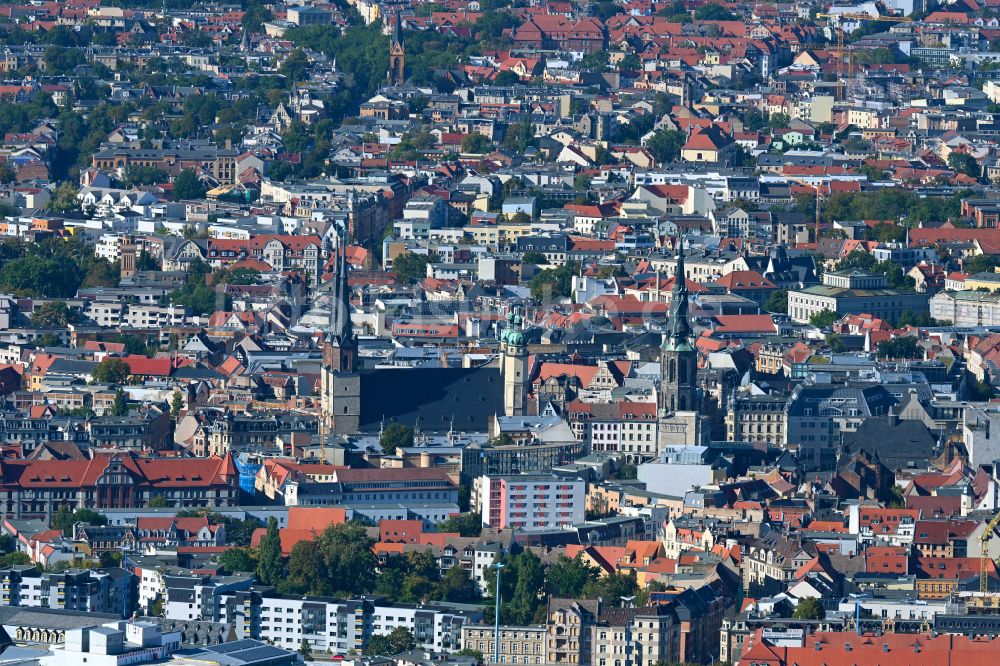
(51, 618)
(435, 396)
(901, 445)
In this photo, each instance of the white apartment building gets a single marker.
(116, 314)
(337, 626)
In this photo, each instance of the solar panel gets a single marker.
(235, 646)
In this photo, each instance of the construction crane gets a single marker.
(984, 554)
(843, 53)
(819, 197)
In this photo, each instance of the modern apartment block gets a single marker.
(90, 590)
(531, 501)
(337, 626)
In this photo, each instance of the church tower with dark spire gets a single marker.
(678, 357)
(340, 397)
(396, 75)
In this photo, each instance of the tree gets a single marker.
(713, 12)
(101, 273)
(568, 577)
(506, 78)
(146, 262)
(896, 500)
(978, 391)
(666, 145)
(522, 583)
(394, 437)
(395, 642)
(144, 175)
(465, 524)
(157, 502)
(614, 586)
(41, 276)
(64, 519)
(964, 163)
(305, 650)
(834, 342)
(809, 609)
(176, 405)
(533, 257)
(196, 294)
(410, 267)
(554, 282)
(339, 562)
(158, 607)
(457, 586)
(295, 67)
(238, 532)
(476, 143)
(823, 318)
(111, 371)
(901, 347)
(269, 554)
(110, 559)
(470, 652)
(53, 313)
(911, 318)
(777, 302)
(187, 186)
(120, 406)
(238, 560)
(778, 120)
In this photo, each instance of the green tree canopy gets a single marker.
(554, 282)
(823, 318)
(533, 257)
(395, 642)
(339, 562)
(809, 609)
(777, 302)
(522, 583)
(964, 163)
(666, 145)
(394, 437)
(120, 406)
(238, 559)
(713, 12)
(111, 371)
(53, 313)
(466, 524)
(476, 143)
(269, 567)
(410, 267)
(901, 347)
(187, 186)
(64, 518)
(568, 577)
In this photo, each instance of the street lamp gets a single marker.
(628, 629)
(496, 616)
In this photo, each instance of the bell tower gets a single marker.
(340, 396)
(396, 75)
(514, 366)
(678, 357)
